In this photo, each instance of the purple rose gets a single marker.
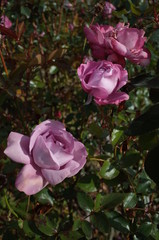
(5, 21)
(108, 9)
(118, 43)
(97, 36)
(129, 43)
(50, 155)
(103, 80)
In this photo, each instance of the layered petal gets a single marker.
(131, 38)
(115, 98)
(54, 177)
(18, 148)
(118, 47)
(42, 155)
(43, 127)
(30, 180)
(80, 155)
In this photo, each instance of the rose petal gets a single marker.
(65, 138)
(42, 128)
(42, 156)
(30, 180)
(118, 47)
(94, 35)
(80, 155)
(114, 98)
(54, 177)
(130, 37)
(18, 148)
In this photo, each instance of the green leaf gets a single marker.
(130, 201)
(145, 123)
(111, 200)
(97, 202)
(117, 221)
(89, 183)
(25, 11)
(85, 201)
(44, 197)
(47, 226)
(30, 229)
(18, 73)
(76, 225)
(75, 235)
(155, 232)
(145, 228)
(108, 171)
(116, 136)
(97, 131)
(152, 164)
(86, 228)
(100, 221)
(155, 36)
(129, 159)
(134, 9)
(144, 183)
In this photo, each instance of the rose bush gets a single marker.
(50, 155)
(118, 43)
(103, 80)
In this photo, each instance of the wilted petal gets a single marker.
(18, 148)
(30, 180)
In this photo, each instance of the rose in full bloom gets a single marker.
(129, 43)
(118, 43)
(103, 81)
(5, 21)
(108, 9)
(50, 155)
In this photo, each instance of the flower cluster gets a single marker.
(117, 43)
(111, 45)
(52, 154)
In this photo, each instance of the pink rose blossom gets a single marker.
(118, 43)
(97, 35)
(5, 21)
(50, 155)
(103, 80)
(108, 9)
